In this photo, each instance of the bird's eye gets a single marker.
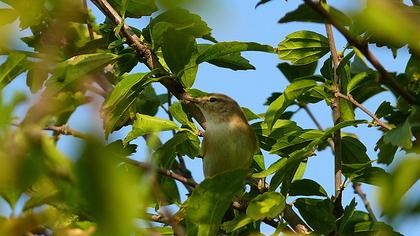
(212, 99)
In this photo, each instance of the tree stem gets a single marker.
(338, 207)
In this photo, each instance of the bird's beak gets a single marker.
(194, 100)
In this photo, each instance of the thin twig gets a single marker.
(66, 130)
(162, 171)
(358, 190)
(338, 207)
(63, 129)
(311, 115)
(363, 47)
(89, 25)
(364, 109)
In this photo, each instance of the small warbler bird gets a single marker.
(229, 142)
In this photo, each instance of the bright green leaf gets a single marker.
(269, 204)
(303, 47)
(116, 108)
(134, 8)
(145, 124)
(15, 64)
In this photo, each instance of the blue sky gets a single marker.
(238, 20)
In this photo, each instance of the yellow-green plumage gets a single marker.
(229, 142)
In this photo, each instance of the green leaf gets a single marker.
(400, 136)
(295, 141)
(363, 86)
(394, 187)
(134, 8)
(292, 72)
(179, 20)
(303, 47)
(293, 91)
(236, 223)
(145, 124)
(15, 64)
(210, 200)
(218, 50)
(169, 189)
(67, 73)
(250, 115)
(354, 152)
(191, 146)
(116, 108)
(306, 187)
(386, 153)
(305, 13)
(177, 111)
(379, 228)
(317, 213)
(177, 49)
(348, 213)
(384, 109)
(276, 166)
(7, 16)
(344, 61)
(269, 204)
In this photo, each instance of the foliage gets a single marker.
(103, 190)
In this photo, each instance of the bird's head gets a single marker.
(218, 107)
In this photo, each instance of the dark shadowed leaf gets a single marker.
(292, 72)
(303, 47)
(134, 8)
(305, 13)
(348, 213)
(218, 50)
(354, 152)
(306, 187)
(317, 213)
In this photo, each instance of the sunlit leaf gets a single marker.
(116, 108)
(269, 204)
(145, 124)
(303, 47)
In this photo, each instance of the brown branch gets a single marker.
(338, 207)
(358, 190)
(162, 171)
(364, 109)
(363, 47)
(147, 57)
(89, 25)
(66, 130)
(298, 225)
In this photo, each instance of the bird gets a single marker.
(229, 141)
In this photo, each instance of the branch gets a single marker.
(358, 190)
(162, 171)
(66, 130)
(351, 99)
(363, 47)
(147, 57)
(338, 207)
(89, 25)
